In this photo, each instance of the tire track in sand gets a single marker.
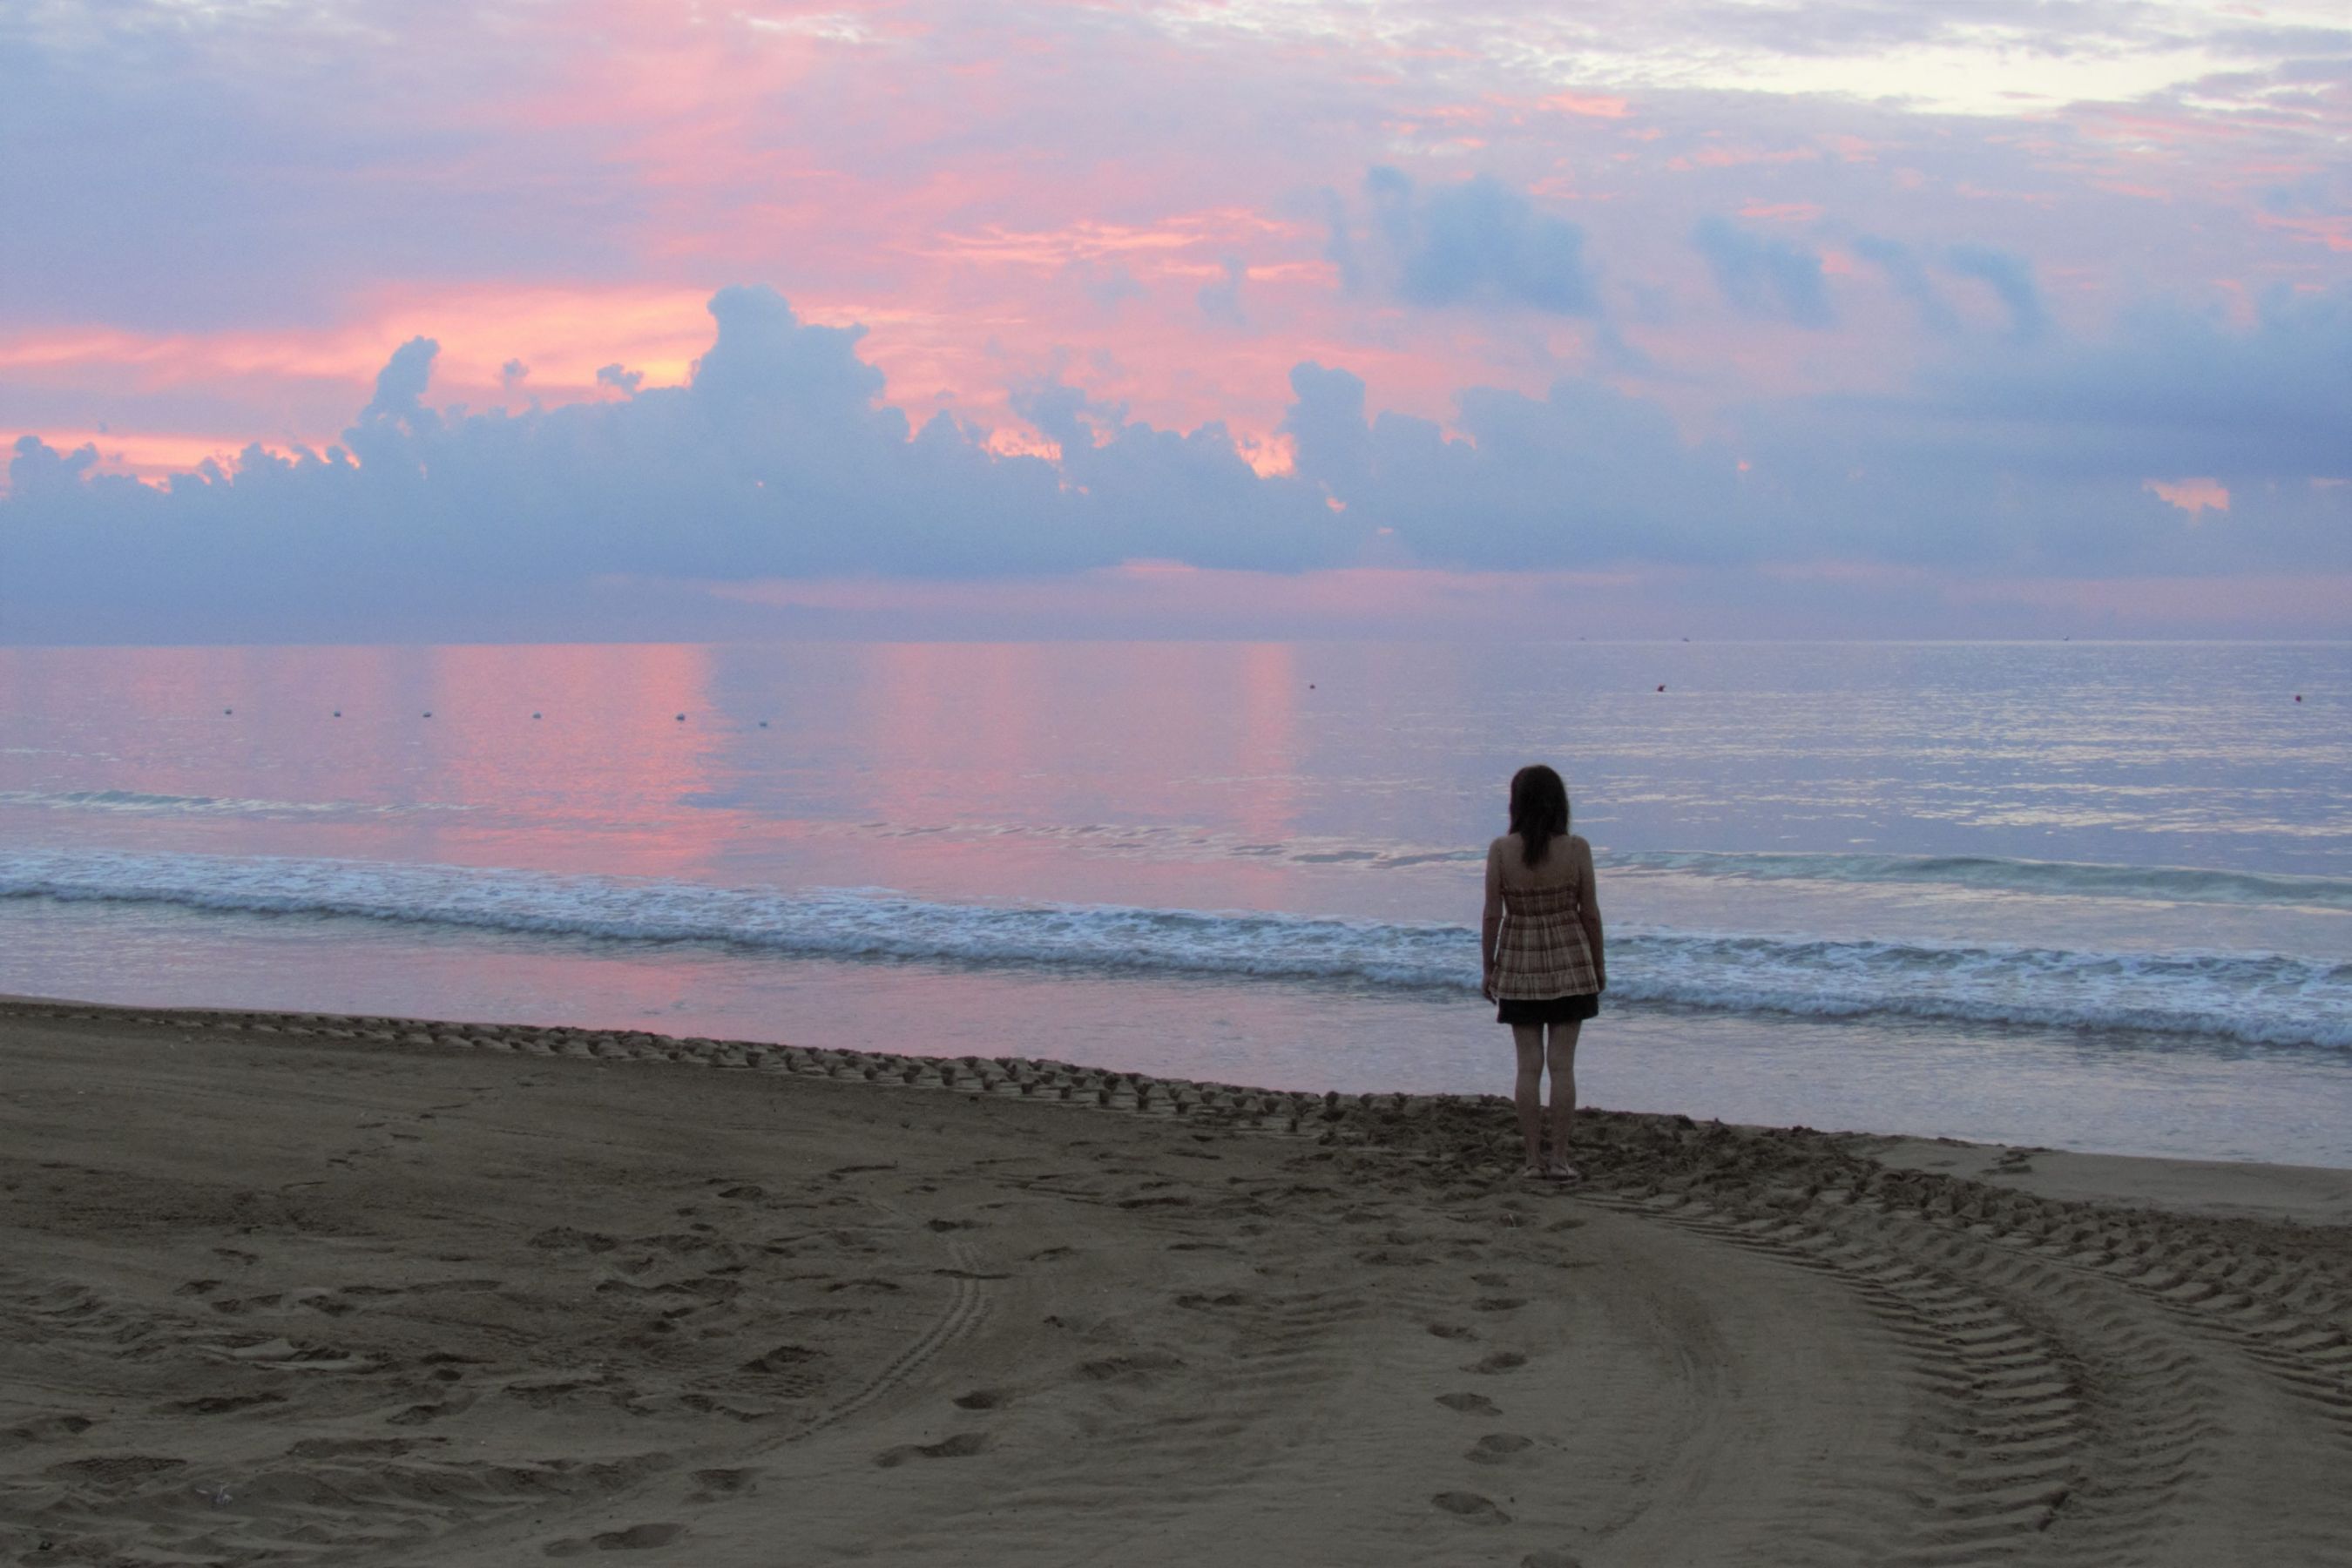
(2095, 1386)
(966, 1309)
(2079, 1413)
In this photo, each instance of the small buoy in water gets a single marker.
(764, 723)
(681, 718)
(228, 709)
(1661, 689)
(1310, 686)
(428, 712)
(2298, 697)
(534, 715)
(339, 712)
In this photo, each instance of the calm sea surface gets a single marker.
(2086, 895)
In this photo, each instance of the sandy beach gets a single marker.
(302, 1289)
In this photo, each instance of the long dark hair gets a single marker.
(1539, 811)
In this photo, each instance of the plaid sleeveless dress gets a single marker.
(1541, 953)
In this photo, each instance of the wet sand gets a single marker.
(294, 1289)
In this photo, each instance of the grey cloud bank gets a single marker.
(1762, 276)
(779, 460)
(1474, 242)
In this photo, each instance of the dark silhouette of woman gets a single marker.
(1544, 965)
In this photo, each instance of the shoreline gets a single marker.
(2251, 1188)
(316, 1287)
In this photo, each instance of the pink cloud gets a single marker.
(1726, 157)
(2191, 495)
(148, 457)
(1594, 107)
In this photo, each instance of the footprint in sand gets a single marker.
(1501, 1361)
(636, 1538)
(962, 1446)
(1195, 1301)
(45, 1429)
(1498, 1303)
(418, 1415)
(982, 1399)
(1137, 1367)
(1496, 1447)
(1470, 1506)
(1452, 1332)
(1469, 1403)
(299, 1358)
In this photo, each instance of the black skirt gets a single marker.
(1548, 1009)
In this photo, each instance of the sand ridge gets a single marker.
(288, 1287)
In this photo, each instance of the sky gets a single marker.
(496, 321)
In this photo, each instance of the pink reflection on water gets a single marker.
(400, 754)
(1130, 774)
(587, 737)
(985, 764)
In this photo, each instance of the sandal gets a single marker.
(1561, 1171)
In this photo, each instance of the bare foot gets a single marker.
(1561, 1171)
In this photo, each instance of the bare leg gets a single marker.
(1528, 1038)
(1563, 1094)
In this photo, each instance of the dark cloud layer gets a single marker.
(1475, 242)
(778, 460)
(1762, 276)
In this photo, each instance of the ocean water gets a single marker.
(2094, 896)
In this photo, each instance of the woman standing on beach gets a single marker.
(1540, 941)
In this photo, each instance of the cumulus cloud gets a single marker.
(1475, 242)
(2173, 391)
(1764, 277)
(620, 379)
(2008, 276)
(779, 459)
(2011, 278)
(400, 386)
(1583, 476)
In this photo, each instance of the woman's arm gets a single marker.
(1490, 925)
(1587, 913)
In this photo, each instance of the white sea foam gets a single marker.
(2168, 884)
(139, 802)
(2237, 998)
(2063, 878)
